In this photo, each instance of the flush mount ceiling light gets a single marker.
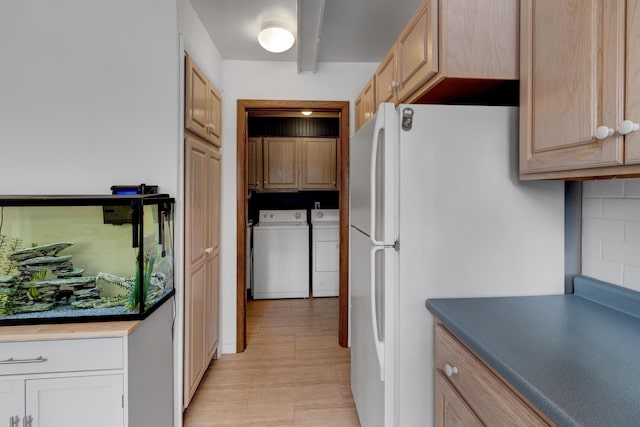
(275, 38)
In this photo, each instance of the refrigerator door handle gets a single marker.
(377, 132)
(379, 344)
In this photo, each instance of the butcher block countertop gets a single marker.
(67, 331)
(576, 357)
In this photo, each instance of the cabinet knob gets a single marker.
(603, 132)
(209, 250)
(627, 126)
(450, 370)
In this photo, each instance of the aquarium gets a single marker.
(84, 258)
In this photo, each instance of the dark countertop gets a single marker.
(576, 357)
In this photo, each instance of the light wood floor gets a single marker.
(293, 372)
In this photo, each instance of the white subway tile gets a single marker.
(621, 253)
(631, 278)
(632, 188)
(632, 231)
(603, 188)
(592, 247)
(606, 229)
(602, 270)
(621, 209)
(592, 208)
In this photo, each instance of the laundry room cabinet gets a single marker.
(580, 89)
(319, 164)
(280, 157)
(254, 163)
(287, 164)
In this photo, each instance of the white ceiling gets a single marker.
(349, 30)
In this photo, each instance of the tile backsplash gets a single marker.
(611, 231)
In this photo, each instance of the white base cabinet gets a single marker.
(133, 387)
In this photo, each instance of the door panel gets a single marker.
(76, 401)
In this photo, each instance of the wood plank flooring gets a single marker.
(293, 372)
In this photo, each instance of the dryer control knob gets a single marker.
(298, 215)
(319, 214)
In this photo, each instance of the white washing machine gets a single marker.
(281, 255)
(325, 243)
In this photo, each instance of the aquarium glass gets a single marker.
(84, 258)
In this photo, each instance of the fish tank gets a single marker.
(84, 258)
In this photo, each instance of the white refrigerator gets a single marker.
(437, 210)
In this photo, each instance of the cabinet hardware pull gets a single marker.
(449, 370)
(209, 250)
(12, 361)
(26, 421)
(627, 126)
(14, 421)
(603, 132)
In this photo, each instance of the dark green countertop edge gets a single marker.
(575, 357)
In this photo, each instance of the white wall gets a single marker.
(270, 81)
(198, 44)
(88, 95)
(611, 231)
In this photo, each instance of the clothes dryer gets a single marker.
(325, 252)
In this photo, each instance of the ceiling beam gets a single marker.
(310, 17)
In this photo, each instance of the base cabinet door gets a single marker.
(75, 401)
(450, 409)
(12, 402)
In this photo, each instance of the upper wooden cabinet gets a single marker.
(254, 163)
(287, 164)
(385, 79)
(580, 88)
(365, 103)
(453, 51)
(319, 168)
(280, 163)
(203, 104)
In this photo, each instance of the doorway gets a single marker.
(244, 108)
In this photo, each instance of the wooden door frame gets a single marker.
(243, 108)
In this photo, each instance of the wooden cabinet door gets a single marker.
(450, 409)
(571, 83)
(202, 250)
(385, 79)
(368, 100)
(319, 161)
(212, 302)
(417, 50)
(632, 90)
(280, 163)
(214, 108)
(254, 163)
(12, 398)
(212, 268)
(75, 401)
(197, 116)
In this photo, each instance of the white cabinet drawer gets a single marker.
(36, 357)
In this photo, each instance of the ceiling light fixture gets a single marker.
(306, 113)
(275, 38)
